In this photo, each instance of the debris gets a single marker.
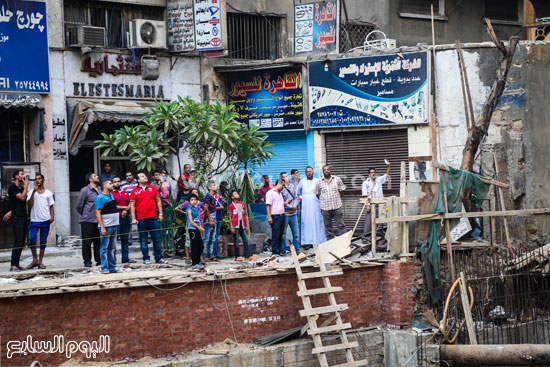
(279, 337)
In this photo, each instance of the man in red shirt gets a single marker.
(144, 201)
(122, 199)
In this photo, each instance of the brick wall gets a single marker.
(152, 321)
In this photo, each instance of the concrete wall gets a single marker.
(518, 130)
(155, 322)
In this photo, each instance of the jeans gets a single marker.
(107, 249)
(90, 235)
(277, 229)
(124, 229)
(150, 226)
(242, 232)
(336, 215)
(19, 226)
(211, 237)
(44, 228)
(292, 220)
(196, 245)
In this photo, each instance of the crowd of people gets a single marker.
(109, 205)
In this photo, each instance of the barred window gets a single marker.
(253, 36)
(353, 34)
(114, 17)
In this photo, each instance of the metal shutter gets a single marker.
(351, 154)
(290, 151)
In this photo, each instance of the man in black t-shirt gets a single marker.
(17, 193)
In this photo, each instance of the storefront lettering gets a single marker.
(118, 90)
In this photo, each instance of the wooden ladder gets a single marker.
(334, 309)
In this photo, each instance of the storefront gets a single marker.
(272, 98)
(368, 109)
(25, 107)
(103, 93)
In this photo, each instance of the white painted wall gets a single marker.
(452, 131)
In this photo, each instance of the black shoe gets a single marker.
(87, 265)
(97, 264)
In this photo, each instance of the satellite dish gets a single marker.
(147, 32)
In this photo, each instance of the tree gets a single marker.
(212, 136)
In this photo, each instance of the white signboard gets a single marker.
(208, 28)
(59, 138)
(181, 27)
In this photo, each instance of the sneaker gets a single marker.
(88, 265)
(16, 269)
(162, 261)
(147, 262)
(188, 261)
(198, 267)
(239, 259)
(105, 271)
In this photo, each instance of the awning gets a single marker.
(87, 112)
(18, 100)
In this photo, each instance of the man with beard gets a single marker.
(18, 213)
(372, 188)
(313, 230)
(41, 203)
(328, 191)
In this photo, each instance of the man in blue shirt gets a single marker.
(107, 218)
(212, 233)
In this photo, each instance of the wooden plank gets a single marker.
(331, 348)
(373, 214)
(424, 158)
(503, 206)
(449, 242)
(363, 362)
(328, 329)
(505, 213)
(322, 310)
(467, 312)
(338, 245)
(320, 274)
(385, 200)
(316, 291)
(484, 179)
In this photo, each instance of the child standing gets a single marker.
(239, 225)
(204, 214)
(196, 230)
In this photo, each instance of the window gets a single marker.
(507, 10)
(115, 18)
(422, 8)
(252, 36)
(353, 34)
(14, 140)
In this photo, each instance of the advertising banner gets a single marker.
(181, 27)
(316, 27)
(24, 63)
(375, 90)
(269, 98)
(208, 27)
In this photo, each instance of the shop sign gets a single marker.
(24, 47)
(316, 27)
(269, 98)
(376, 90)
(181, 27)
(208, 27)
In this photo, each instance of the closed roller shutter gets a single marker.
(351, 154)
(290, 151)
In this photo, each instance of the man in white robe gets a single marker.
(313, 230)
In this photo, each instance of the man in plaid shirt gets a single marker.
(328, 191)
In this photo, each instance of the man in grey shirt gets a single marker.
(85, 206)
(291, 212)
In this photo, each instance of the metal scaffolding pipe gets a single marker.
(496, 355)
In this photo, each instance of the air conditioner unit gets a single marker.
(78, 36)
(147, 33)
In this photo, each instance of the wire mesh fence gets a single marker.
(511, 303)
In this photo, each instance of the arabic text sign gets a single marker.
(389, 89)
(181, 27)
(269, 98)
(23, 47)
(316, 27)
(208, 27)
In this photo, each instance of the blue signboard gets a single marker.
(24, 63)
(269, 98)
(389, 89)
(316, 27)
